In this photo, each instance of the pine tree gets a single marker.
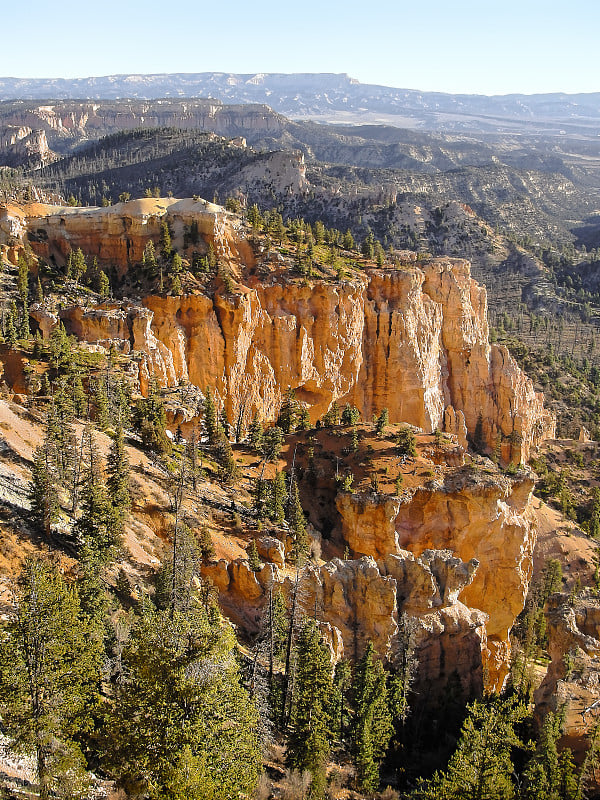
(165, 241)
(253, 557)
(182, 726)
(309, 742)
(99, 527)
(372, 724)
(228, 469)
(383, 420)
(481, 766)
(78, 265)
(406, 442)
(288, 414)
(350, 415)
(549, 774)
(210, 418)
(117, 469)
(277, 498)
(50, 670)
(255, 433)
(39, 292)
(23, 279)
(205, 544)
(43, 492)
(10, 331)
(272, 442)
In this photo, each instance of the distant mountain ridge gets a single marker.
(336, 97)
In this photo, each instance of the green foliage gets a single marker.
(548, 774)
(179, 568)
(372, 723)
(255, 433)
(382, 421)
(228, 469)
(117, 469)
(406, 442)
(350, 415)
(151, 421)
(209, 420)
(310, 738)
(272, 442)
(182, 726)
(253, 557)
(43, 490)
(50, 662)
(289, 412)
(165, 241)
(100, 524)
(481, 766)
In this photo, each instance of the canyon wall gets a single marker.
(414, 340)
(475, 512)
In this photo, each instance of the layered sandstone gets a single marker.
(414, 340)
(398, 603)
(117, 235)
(477, 513)
(572, 682)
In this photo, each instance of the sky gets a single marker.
(485, 47)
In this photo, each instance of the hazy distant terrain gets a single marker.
(337, 97)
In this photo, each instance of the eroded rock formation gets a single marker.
(474, 512)
(414, 340)
(400, 601)
(572, 681)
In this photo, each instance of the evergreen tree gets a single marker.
(272, 442)
(406, 442)
(297, 523)
(547, 774)
(99, 526)
(165, 241)
(210, 418)
(289, 412)
(350, 415)
(78, 265)
(117, 468)
(277, 498)
(23, 279)
(383, 420)
(10, 331)
(228, 469)
(348, 241)
(253, 557)
(43, 491)
(481, 766)
(205, 544)
(174, 590)
(50, 662)
(182, 726)
(255, 433)
(39, 292)
(310, 738)
(372, 724)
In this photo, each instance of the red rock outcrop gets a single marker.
(414, 340)
(477, 513)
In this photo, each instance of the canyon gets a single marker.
(450, 558)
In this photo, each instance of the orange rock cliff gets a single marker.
(413, 340)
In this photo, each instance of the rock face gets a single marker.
(572, 681)
(23, 145)
(400, 601)
(117, 235)
(413, 340)
(476, 514)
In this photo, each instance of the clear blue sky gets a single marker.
(447, 45)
